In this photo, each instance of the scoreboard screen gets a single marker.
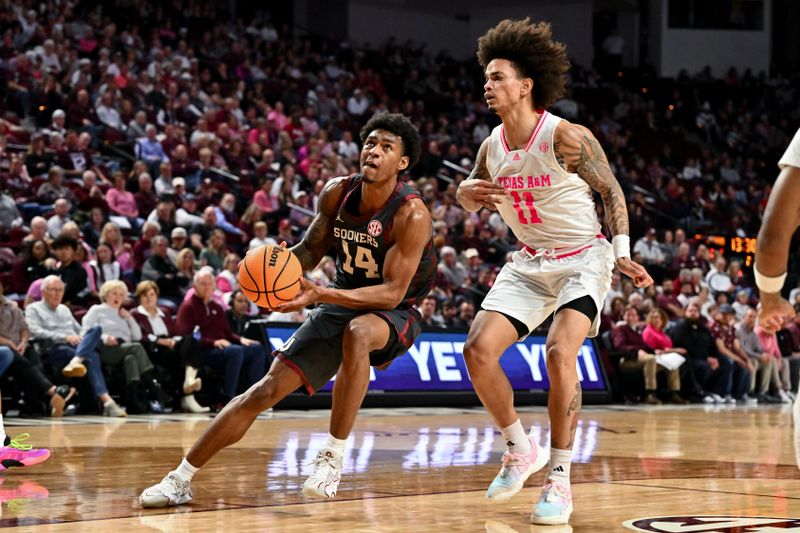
(743, 248)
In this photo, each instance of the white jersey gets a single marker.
(548, 207)
(791, 158)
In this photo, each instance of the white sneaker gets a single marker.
(171, 491)
(717, 398)
(784, 397)
(554, 506)
(324, 482)
(189, 405)
(113, 410)
(796, 416)
(708, 399)
(516, 469)
(730, 400)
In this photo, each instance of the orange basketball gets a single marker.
(270, 276)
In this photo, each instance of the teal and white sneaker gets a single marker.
(516, 469)
(554, 506)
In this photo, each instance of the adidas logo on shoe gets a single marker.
(559, 468)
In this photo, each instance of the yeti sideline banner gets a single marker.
(435, 363)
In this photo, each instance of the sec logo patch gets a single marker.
(375, 228)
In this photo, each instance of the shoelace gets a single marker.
(324, 458)
(175, 484)
(554, 490)
(512, 458)
(17, 441)
(16, 505)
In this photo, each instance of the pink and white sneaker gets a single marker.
(554, 506)
(516, 469)
(15, 454)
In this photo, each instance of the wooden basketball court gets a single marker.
(409, 470)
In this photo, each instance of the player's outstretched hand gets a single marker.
(772, 310)
(635, 271)
(483, 193)
(309, 294)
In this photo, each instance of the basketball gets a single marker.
(270, 276)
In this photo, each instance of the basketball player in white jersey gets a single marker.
(781, 220)
(538, 171)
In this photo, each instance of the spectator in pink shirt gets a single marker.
(781, 379)
(122, 202)
(264, 198)
(654, 335)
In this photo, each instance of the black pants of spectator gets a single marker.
(715, 381)
(186, 353)
(33, 356)
(32, 380)
(28, 374)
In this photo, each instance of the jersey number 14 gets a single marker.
(363, 260)
(523, 202)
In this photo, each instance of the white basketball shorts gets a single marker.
(536, 283)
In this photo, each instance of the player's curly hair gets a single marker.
(399, 125)
(530, 47)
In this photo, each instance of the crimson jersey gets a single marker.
(362, 242)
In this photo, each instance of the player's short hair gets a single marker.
(530, 47)
(399, 125)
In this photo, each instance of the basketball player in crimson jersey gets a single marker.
(382, 231)
(538, 171)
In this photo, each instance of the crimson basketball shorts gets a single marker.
(314, 352)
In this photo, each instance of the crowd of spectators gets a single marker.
(157, 143)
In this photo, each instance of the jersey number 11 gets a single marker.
(521, 203)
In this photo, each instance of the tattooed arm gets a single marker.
(319, 235)
(577, 150)
(478, 190)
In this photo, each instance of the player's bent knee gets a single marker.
(560, 361)
(356, 340)
(477, 353)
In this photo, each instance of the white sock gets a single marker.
(515, 437)
(335, 445)
(190, 373)
(560, 461)
(2, 432)
(185, 470)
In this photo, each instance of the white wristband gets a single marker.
(622, 246)
(767, 283)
